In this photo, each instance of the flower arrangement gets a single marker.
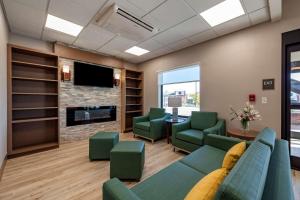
(245, 115)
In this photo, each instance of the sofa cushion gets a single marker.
(267, 136)
(205, 159)
(173, 182)
(191, 135)
(233, 155)
(203, 120)
(143, 125)
(246, 181)
(207, 187)
(156, 113)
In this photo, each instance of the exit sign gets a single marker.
(268, 84)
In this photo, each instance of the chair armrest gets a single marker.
(116, 190)
(220, 142)
(218, 129)
(159, 121)
(181, 126)
(140, 119)
(157, 126)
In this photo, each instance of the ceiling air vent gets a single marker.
(119, 21)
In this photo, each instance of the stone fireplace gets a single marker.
(87, 99)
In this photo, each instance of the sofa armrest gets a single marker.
(116, 190)
(220, 142)
(218, 129)
(140, 119)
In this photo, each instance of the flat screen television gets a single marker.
(93, 75)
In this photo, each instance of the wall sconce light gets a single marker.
(66, 73)
(117, 79)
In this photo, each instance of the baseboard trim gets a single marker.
(2, 167)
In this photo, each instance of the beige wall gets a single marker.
(232, 67)
(3, 85)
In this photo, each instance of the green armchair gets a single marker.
(151, 126)
(189, 135)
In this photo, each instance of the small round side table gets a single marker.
(242, 134)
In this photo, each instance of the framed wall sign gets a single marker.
(269, 84)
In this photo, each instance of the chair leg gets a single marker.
(174, 149)
(152, 141)
(133, 135)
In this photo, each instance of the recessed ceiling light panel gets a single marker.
(137, 51)
(62, 25)
(223, 12)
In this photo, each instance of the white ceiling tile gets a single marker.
(192, 26)
(146, 5)
(150, 45)
(202, 5)
(169, 14)
(252, 5)
(26, 32)
(233, 25)
(203, 36)
(117, 45)
(127, 56)
(24, 18)
(93, 37)
(35, 4)
(162, 51)
(53, 36)
(76, 11)
(131, 8)
(259, 16)
(168, 36)
(180, 44)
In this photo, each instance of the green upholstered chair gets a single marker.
(189, 135)
(127, 160)
(101, 144)
(150, 126)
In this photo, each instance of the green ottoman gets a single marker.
(101, 143)
(127, 160)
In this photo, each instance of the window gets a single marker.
(183, 82)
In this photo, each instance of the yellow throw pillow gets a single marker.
(207, 187)
(233, 155)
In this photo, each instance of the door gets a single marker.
(291, 95)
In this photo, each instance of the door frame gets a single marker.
(288, 39)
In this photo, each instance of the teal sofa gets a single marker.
(262, 173)
(152, 125)
(189, 135)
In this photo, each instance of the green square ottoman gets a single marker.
(127, 160)
(101, 143)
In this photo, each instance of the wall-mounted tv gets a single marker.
(93, 75)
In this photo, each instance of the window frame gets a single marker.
(160, 99)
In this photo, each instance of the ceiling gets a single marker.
(178, 21)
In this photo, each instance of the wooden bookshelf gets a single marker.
(133, 97)
(33, 108)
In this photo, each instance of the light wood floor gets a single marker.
(67, 173)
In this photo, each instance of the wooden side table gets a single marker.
(241, 134)
(169, 123)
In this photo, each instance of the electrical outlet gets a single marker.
(264, 100)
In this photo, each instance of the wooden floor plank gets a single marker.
(66, 173)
